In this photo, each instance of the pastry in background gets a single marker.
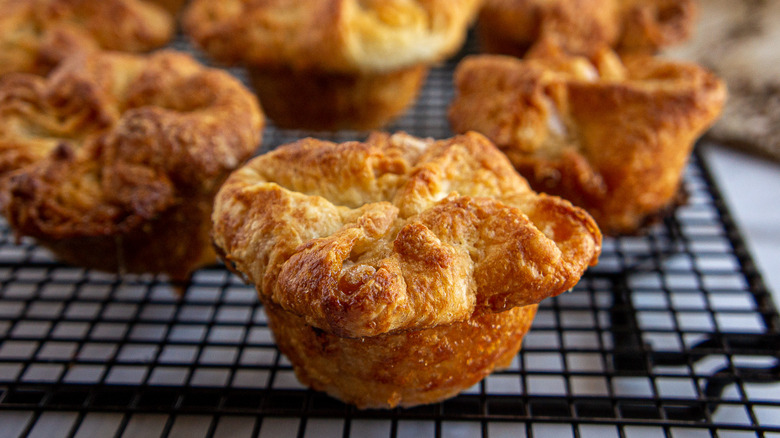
(583, 27)
(647, 26)
(611, 135)
(740, 41)
(112, 161)
(398, 271)
(336, 64)
(35, 35)
(173, 7)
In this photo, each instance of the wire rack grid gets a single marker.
(672, 334)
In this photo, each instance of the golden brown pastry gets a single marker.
(332, 64)
(37, 34)
(112, 161)
(610, 135)
(399, 270)
(584, 26)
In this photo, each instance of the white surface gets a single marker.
(751, 188)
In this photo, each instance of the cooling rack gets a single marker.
(672, 334)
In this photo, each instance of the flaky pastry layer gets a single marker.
(331, 35)
(612, 135)
(112, 146)
(35, 35)
(397, 233)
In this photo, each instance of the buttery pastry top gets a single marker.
(397, 232)
(331, 35)
(36, 34)
(109, 139)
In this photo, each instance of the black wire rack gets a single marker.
(672, 334)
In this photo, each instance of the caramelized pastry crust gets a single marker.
(396, 242)
(611, 135)
(37, 34)
(585, 26)
(113, 160)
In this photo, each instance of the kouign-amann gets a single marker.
(332, 64)
(112, 161)
(35, 35)
(611, 135)
(399, 270)
(585, 26)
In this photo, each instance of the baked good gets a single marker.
(399, 270)
(739, 42)
(584, 26)
(35, 35)
(172, 6)
(112, 160)
(336, 64)
(611, 135)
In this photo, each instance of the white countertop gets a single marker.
(751, 188)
